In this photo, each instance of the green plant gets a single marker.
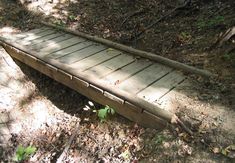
(59, 23)
(210, 23)
(103, 113)
(158, 139)
(184, 37)
(23, 153)
(227, 57)
(71, 17)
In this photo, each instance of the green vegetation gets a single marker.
(72, 17)
(210, 23)
(24, 153)
(158, 139)
(105, 112)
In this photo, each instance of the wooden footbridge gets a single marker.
(127, 79)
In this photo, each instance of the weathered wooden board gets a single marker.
(70, 49)
(161, 87)
(109, 66)
(50, 42)
(27, 34)
(58, 46)
(28, 40)
(45, 38)
(144, 78)
(95, 60)
(117, 77)
(81, 54)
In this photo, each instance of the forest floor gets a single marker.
(36, 110)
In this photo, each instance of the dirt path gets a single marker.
(38, 111)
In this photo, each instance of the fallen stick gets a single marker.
(69, 143)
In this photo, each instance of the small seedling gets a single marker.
(159, 139)
(184, 37)
(72, 18)
(24, 153)
(103, 113)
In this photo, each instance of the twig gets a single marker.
(132, 14)
(65, 151)
(176, 120)
(186, 3)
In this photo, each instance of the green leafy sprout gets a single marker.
(24, 153)
(105, 112)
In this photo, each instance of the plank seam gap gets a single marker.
(117, 69)
(48, 39)
(77, 42)
(89, 55)
(153, 82)
(102, 62)
(131, 74)
(55, 42)
(72, 51)
(170, 89)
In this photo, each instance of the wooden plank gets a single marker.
(120, 75)
(109, 66)
(28, 40)
(70, 49)
(81, 54)
(46, 38)
(95, 59)
(144, 78)
(50, 42)
(29, 33)
(161, 87)
(171, 100)
(58, 45)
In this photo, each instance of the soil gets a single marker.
(38, 111)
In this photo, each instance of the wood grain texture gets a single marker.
(29, 40)
(28, 33)
(58, 46)
(50, 42)
(69, 50)
(161, 87)
(142, 79)
(95, 60)
(110, 66)
(117, 77)
(45, 38)
(81, 54)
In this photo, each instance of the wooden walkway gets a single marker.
(130, 84)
